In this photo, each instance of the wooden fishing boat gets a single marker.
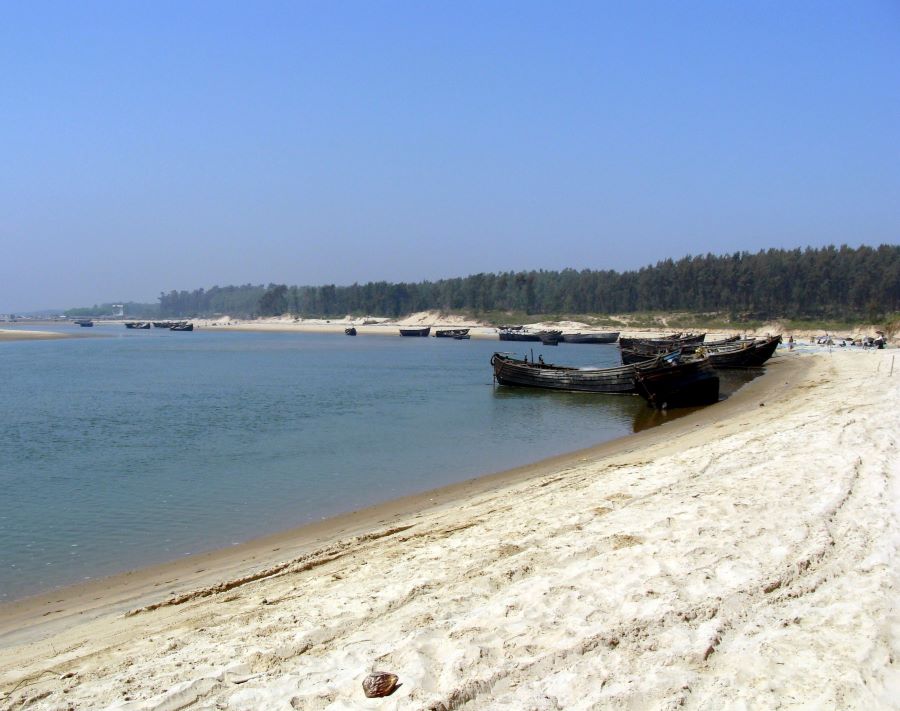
(520, 372)
(131, 324)
(609, 337)
(638, 352)
(517, 334)
(350, 331)
(462, 337)
(451, 333)
(163, 324)
(84, 322)
(684, 383)
(550, 338)
(414, 332)
(746, 355)
(182, 327)
(677, 340)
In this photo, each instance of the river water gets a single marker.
(143, 446)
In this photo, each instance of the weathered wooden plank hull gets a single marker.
(518, 336)
(515, 372)
(669, 343)
(750, 355)
(610, 337)
(684, 384)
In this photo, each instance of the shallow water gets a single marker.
(144, 446)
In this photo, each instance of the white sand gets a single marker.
(742, 561)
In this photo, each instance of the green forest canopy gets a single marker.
(828, 282)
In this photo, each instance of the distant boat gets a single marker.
(678, 384)
(451, 333)
(162, 324)
(143, 325)
(84, 322)
(415, 331)
(350, 331)
(550, 338)
(609, 337)
(517, 333)
(182, 327)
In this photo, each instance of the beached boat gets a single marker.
(163, 324)
(182, 327)
(142, 325)
(640, 351)
(350, 331)
(609, 337)
(683, 383)
(677, 340)
(451, 333)
(84, 322)
(523, 373)
(746, 355)
(420, 332)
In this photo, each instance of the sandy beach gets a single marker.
(744, 556)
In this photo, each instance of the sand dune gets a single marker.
(743, 557)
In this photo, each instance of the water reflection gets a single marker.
(622, 407)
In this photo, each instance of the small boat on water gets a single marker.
(680, 383)
(517, 333)
(451, 333)
(415, 332)
(520, 372)
(609, 337)
(142, 325)
(182, 327)
(462, 337)
(84, 322)
(163, 324)
(550, 338)
(350, 331)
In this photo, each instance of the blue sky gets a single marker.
(152, 146)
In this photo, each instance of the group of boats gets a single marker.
(171, 325)
(675, 371)
(460, 334)
(553, 338)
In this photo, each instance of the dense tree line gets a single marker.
(132, 309)
(812, 283)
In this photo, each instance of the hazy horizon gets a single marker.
(172, 146)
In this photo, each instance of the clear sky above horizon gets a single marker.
(174, 145)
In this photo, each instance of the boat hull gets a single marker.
(520, 373)
(684, 384)
(610, 337)
(415, 332)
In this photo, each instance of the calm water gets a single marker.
(144, 446)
